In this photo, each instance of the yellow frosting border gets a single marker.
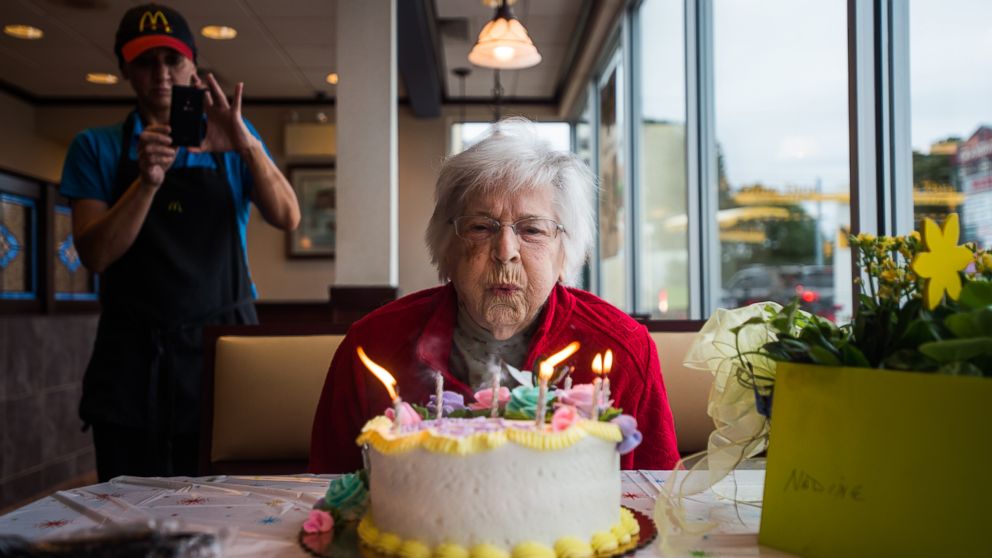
(379, 434)
(620, 538)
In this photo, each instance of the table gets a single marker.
(264, 513)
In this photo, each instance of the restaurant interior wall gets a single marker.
(22, 148)
(42, 357)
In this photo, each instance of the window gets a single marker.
(465, 134)
(951, 124)
(613, 212)
(781, 111)
(660, 182)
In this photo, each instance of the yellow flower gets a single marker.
(885, 292)
(985, 263)
(942, 260)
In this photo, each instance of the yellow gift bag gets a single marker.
(878, 463)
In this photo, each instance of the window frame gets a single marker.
(880, 162)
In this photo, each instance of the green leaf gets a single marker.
(982, 319)
(957, 350)
(610, 414)
(962, 325)
(422, 411)
(909, 359)
(960, 369)
(915, 334)
(751, 321)
(821, 355)
(976, 294)
(852, 356)
(517, 415)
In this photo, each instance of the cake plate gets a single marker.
(343, 541)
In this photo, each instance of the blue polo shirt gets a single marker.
(90, 170)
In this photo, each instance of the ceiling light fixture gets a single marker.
(219, 32)
(102, 78)
(504, 44)
(28, 32)
(332, 78)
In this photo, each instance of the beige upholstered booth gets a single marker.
(263, 387)
(263, 383)
(688, 390)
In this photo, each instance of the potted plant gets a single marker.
(876, 429)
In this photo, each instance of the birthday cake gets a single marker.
(489, 480)
(492, 487)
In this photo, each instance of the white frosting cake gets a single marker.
(489, 488)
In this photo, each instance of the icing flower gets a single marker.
(347, 495)
(407, 415)
(564, 417)
(319, 522)
(450, 402)
(579, 396)
(484, 398)
(523, 400)
(631, 436)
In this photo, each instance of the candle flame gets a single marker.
(608, 362)
(548, 366)
(384, 376)
(561, 355)
(597, 364)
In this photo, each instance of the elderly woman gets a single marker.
(512, 225)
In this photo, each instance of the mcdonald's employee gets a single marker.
(165, 229)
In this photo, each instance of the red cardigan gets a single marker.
(412, 337)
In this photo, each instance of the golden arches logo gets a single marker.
(175, 206)
(153, 19)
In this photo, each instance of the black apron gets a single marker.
(186, 269)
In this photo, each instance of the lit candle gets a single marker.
(568, 380)
(607, 366)
(547, 370)
(439, 394)
(387, 380)
(542, 391)
(494, 409)
(597, 369)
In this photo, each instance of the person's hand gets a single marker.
(155, 154)
(226, 130)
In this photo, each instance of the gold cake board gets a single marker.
(343, 541)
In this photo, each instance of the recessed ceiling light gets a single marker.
(28, 32)
(101, 78)
(219, 32)
(332, 78)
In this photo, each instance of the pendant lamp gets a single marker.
(504, 43)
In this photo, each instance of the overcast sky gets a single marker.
(780, 70)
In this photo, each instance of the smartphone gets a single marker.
(186, 118)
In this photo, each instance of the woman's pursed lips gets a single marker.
(504, 288)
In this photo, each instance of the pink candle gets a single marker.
(597, 369)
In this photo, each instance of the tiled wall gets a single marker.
(42, 359)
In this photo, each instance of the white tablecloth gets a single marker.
(264, 514)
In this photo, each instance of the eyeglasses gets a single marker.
(534, 230)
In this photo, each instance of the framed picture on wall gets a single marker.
(21, 206)
(315, 190)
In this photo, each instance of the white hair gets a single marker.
(512, 158)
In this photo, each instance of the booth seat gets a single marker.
(263, 383)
